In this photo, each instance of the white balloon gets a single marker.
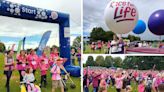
(121, 16)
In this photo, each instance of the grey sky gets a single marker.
(94, 10)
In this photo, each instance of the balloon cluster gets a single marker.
(121, 16)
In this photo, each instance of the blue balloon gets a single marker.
(156, 22)
(140, 27)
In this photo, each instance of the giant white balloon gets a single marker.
(121, 16)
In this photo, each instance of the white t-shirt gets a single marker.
(29, 78)
(115, 47)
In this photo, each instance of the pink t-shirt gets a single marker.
(99, 44)
(157, 82)
(44, 68)
(43, 57)
(95, 80)
(104, 83)
(119, 82)
(56, 72)
(92, 46)
(108, 44)
(141, 88)
(33, 61)
(53, 57)
(22, 60)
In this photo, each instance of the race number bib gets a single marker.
(33, 62)
(46, 61)
(23, 65)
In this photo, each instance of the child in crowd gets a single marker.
(43, 68)
(56, 77)
(29, 79)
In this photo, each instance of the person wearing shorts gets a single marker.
(56, 77)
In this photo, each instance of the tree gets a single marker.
(100, 61)
(97, 34)
(143, 62)
(2, 47)
(90, 61)
(108, 61)
(133, 38)
(108, 36)
(77, 42)
(117, 62)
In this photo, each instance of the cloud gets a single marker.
(94, 10)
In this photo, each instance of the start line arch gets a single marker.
(20, 11)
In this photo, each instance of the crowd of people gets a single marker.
(102, 79)
(26, 63)
(116, 46)
(75, 55)
(119, 46)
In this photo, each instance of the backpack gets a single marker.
(149, 83)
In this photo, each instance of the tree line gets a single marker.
(130, 62)
(98, 33)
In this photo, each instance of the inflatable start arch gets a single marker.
(16, 10)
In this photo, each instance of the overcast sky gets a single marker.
(12, 30)
(94, 10)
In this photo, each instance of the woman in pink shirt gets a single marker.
(53, 56)
(119, 82)
(33, 59)
(141, 86)
(156, 82)
(44, 65)
(103, 84)
(99, 45)
(8, 68)
(21, 63)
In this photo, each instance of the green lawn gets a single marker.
(88, 50)
(14, 83)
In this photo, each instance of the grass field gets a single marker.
(14, 82)
(88, 50)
